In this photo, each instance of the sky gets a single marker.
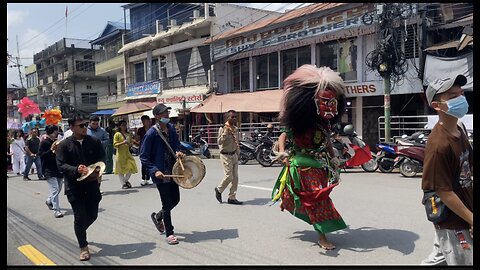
(37, 26)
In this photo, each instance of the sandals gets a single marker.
(330, 246)
(158, 223)
(172, 240)
(84, 254)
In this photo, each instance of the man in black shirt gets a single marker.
(31, 150)
(50, 169)
(74, 154)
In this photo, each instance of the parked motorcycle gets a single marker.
(386, 156)
(248, 148)
(197, 147)
(264, 152)
(352, 150)
(409, 159)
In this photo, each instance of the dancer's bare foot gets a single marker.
(324, 243)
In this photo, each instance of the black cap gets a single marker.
(160, 108)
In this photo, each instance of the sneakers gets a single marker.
(26, 178)
(42, 178)
(434, 259)
(143, 183)
(58, 214)
(49, 204)
(158, 223)
(218, 195)
(128, 184)
(234, 201)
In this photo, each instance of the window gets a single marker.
(407, 41)
(163, 67)
(241, 73)
(267, 71)
(89, 98)
(341, 57)
(84, 66)
(294, 58)
(139, 72)
(89, 87)
(155, 74)
(88, 56)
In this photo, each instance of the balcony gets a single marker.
(109, 67)
(110, 102)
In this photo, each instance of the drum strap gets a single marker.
(165, 140)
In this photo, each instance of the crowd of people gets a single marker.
(310, 172)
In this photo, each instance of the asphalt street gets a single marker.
(386, 224)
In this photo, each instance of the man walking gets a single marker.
(50, 169)
(147, 123)
(98, 132)
(448, 167)
(229, 151)
(158, 154)
(73, 155)
(31, 150)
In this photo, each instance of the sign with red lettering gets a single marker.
(180, 99)
(364, 89)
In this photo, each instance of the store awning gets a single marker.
(136, 44)
(258, 101)
(104, 112)
(134, 107)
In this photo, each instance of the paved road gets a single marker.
(387, 224)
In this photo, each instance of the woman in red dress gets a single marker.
(313, 102)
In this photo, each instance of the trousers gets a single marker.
(170, 197)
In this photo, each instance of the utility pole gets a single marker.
(386, 58)
(18, 65)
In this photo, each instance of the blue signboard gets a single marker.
(146, 88)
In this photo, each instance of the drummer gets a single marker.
(159, 160)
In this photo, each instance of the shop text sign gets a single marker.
(179, 99)
(309, 28)
(363, 89)
(147, 88)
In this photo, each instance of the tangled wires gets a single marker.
(387, 58)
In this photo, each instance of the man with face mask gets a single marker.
(158, 160)
(448, 167)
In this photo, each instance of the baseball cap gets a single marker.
(442, 85)
(160, 108)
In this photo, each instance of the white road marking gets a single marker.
(261, 188)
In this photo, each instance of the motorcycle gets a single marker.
(197, 147)
(248, 148)
(264, 152)
(386, 157)
(352, 150)
(409, 159)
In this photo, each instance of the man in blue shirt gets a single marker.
(159, 160)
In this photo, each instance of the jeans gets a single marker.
(55, 186)
(85, 211)
(38, 164)
(170, 197)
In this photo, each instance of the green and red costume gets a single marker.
(305, 183)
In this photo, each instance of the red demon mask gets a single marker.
(326, 102)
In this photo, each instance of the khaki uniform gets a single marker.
(229, 151)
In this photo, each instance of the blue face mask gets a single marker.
(164, 120)
(457, 107)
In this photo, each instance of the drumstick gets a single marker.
(173, 175)
(181, 163)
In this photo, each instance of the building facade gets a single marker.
(338, 35)
(66, 77)
(14, 94)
